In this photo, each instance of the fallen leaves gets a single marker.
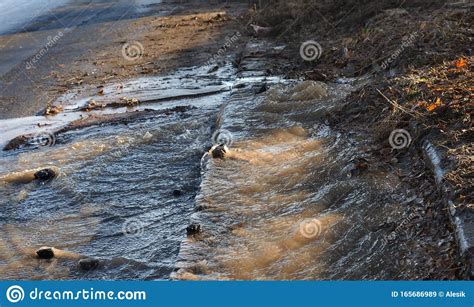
(130, 101)
(92, 105)
(461, 62)
(434, 105)
(52, 110)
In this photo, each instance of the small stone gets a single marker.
(45, 253)
(45, 174)
(177, 193)
(193, 229)
(88, 264)
(219, 151)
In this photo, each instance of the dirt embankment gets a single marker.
(418, 58)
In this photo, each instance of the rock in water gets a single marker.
(45, 252)
(193, 229)
(219, 151)
(45, 174)
(263, 88)
(177, 193)
(88, 264)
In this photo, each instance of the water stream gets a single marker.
(289, 202)
(116, 197)
(293, 199)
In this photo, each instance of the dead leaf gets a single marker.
(434, 105)
(460, 63)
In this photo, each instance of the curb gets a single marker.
(462, 222)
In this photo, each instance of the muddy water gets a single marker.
(292, 199)
(114, 198)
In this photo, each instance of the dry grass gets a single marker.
(425, 88)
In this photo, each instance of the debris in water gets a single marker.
(130, 101)
(28, 176)
(262, 89)
(52, 110)
(17, 142)
(92, 105)
(213, 69)
(177, 193)
(45, 252)
(193, 229)
(201, 207)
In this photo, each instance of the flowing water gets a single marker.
(287, 202)
(114, 198)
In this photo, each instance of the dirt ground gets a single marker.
(418, 58)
